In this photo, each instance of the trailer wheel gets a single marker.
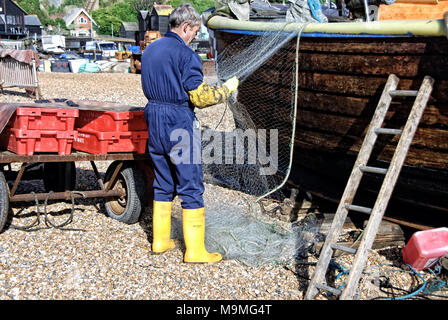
(59, 176)
(4, 201)
(128, 208)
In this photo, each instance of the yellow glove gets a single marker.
(206, 96)
(232, 84)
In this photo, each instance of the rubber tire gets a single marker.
(54, 176)
(4, 201)
(129, 208)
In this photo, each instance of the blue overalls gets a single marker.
(169, 70)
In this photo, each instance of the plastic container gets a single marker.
(60, 66)
(28, 142)
(425, 248)
(44, 119)
(110, 121)
(97, 142)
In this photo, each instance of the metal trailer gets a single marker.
(124, 186)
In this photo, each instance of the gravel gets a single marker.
(100, 258)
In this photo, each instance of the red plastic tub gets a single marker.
(44, 119)
(425, 248)
(110, 121)
(28, 142)
(97, 142)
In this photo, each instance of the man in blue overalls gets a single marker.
(172, 80)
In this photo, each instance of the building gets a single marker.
(159, 18)
(12, 20)
(34, 26)
(156, 20)
(129, 30)
(79, 22)
(143, 22)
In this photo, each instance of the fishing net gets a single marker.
(254, 241)
(255, 157)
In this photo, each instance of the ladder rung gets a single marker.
(388, 131)
(334, 291)
(358, 208)
(336, 246)
(403, 93)
(373, 169)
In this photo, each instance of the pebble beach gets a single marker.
(99, 258)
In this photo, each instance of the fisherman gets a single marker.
(173, 82)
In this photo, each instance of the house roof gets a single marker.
(73, 14)
(162, 9)
(18, 6)
(32, 20)
(130, 26)
(144, 14)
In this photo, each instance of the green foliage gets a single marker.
(32, 7)
(200, 5)
(143, 4)
(78, 3)
(59, 22)
(114, 16)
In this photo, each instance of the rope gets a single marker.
(48, 222)
(36, 222)
(424, 289)
(413, 293)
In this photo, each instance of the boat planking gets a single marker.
(343, 68)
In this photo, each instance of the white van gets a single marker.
(107, 47)
(53, 44)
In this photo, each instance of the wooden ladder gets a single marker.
(318, 281)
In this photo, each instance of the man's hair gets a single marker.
(185, 13)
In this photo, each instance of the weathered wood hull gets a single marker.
(339, 84)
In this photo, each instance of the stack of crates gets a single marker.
(52, 130)
(33, 130)
(102, 132)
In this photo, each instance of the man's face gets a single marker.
(190, 33)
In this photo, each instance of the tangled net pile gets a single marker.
(251, 241)
(260, 155)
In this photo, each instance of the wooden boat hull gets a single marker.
(341, 78)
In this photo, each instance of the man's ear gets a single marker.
(185, 27)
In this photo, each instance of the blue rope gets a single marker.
(338, 267)
(342, 270)
(434, 286)
(413, 293)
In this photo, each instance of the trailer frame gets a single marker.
(119, 187)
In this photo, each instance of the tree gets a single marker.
(114, 16)
(143, 4)
(33, 7)
(199, 5)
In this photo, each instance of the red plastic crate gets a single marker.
(111, 121)
(28, 142)
(44, 119)
(97, 142)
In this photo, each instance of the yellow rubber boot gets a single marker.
(194, 233)
(161, 227)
